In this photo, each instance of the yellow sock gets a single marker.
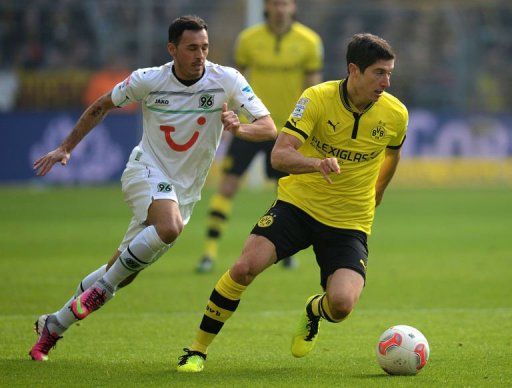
(315, 306)
(320, 307)
(223, 302)
(220, 210)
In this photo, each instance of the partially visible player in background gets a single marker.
(184, 106)
(280, 57)
(341, 147)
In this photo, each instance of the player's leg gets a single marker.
(49, 329)
(146, 247)
(126, 281)
(289, 262)
(160, 209)
(238, 158)
(257, 255)
(279, 233)
(342, 256)
(85, 283)
(164, 226)
(344, 288)
(157, 222)
(91, 278)
(143, 250)
(218, 214)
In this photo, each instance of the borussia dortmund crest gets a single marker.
(379, 131)
(265, 221)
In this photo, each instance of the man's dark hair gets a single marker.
(187, 22)
(365, 49)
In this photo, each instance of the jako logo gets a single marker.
(161, 101)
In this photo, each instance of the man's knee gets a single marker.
(169, 231)
(165, 216)
(258, 254)
(341, 307)
(242, 273)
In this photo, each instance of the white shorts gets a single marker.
(142, 182)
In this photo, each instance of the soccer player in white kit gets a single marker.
(184, 105)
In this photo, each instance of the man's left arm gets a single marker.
(315, 62)
(387, 170)
(261, 129)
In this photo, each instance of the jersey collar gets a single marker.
(345, 100)
(186, 82)
(280, 36)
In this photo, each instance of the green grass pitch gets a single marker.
(440, 260)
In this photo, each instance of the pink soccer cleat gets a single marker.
(46, 341)
(90, 300)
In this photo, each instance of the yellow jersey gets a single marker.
(276, 65)
(328, 126)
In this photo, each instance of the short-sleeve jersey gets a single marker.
(276, 66)
(324, 120)
(181, 124)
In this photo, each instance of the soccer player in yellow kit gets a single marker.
(341, 147)
(280, 57)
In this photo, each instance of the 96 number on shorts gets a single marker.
(164, 187)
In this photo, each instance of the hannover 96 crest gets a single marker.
(206, 101)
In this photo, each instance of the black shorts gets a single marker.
(241, 153)
(291, 230)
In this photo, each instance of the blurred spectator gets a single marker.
(489, 95)
(104, 80)
(452, 53)
(9, 86)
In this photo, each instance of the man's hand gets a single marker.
(45, 163)
(378, 197)
(326, 166)
(230, 120)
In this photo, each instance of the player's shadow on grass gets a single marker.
(372, 376)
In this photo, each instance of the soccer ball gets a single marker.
(402, 350)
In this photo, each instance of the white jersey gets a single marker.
(181, 124)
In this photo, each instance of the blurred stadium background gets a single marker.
(452, 72)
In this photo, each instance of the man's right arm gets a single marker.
(286, 158)
(312, 78)
(92, 116)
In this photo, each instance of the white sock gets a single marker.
(86, 283)
(54, 325)
(142, 251)
(65, 317)
(90, 279)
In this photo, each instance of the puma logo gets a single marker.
(332, 125)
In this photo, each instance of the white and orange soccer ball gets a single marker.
(402, 350)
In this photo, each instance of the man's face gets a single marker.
(280, 11)
(190, 54)
(376, 78)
